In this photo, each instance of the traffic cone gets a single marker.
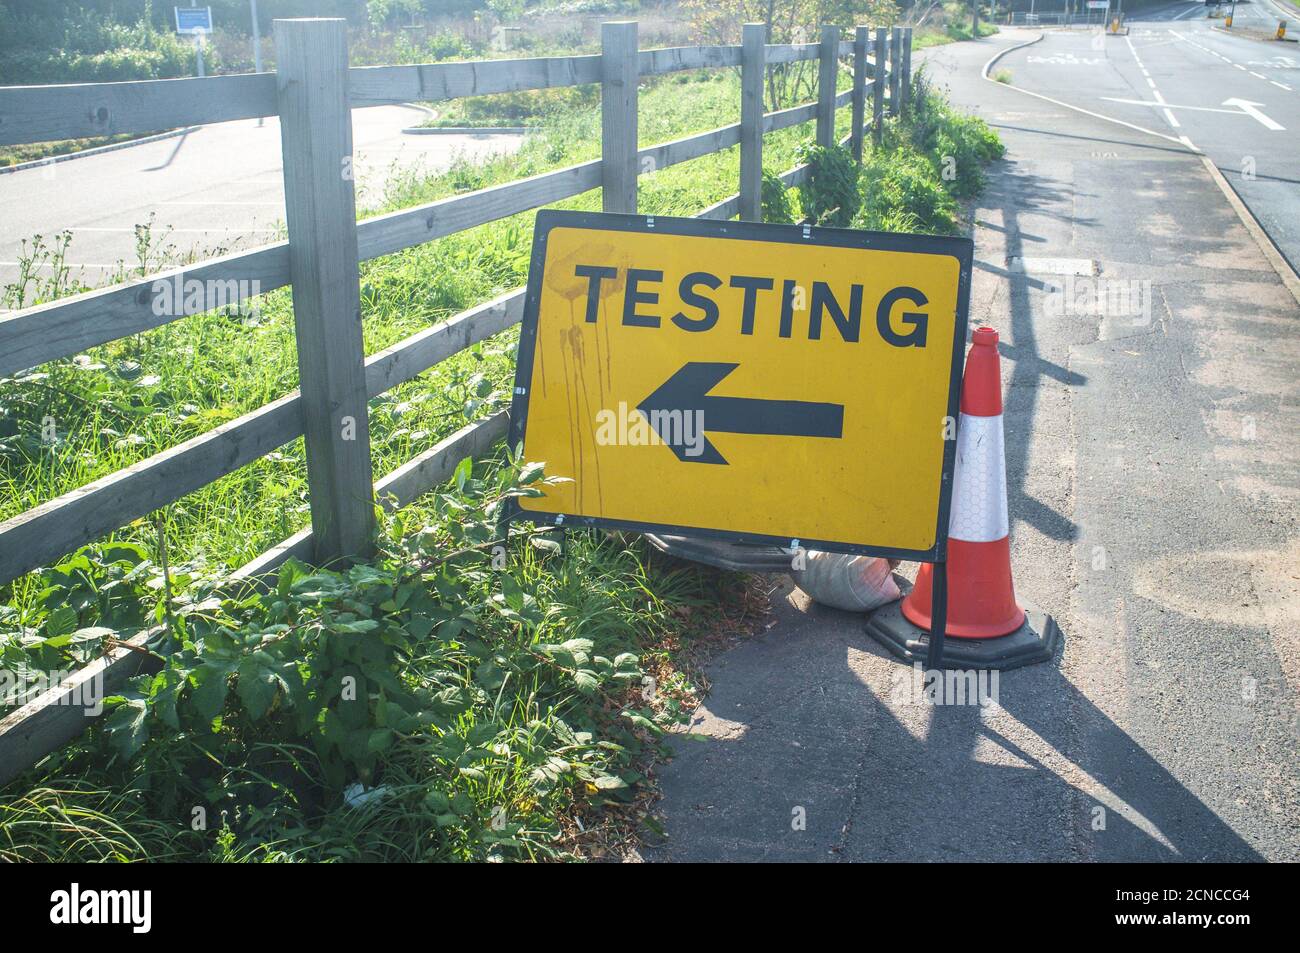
(981, 597)
(993, 629)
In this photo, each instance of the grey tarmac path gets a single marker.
(213, 190)
(1152, 467)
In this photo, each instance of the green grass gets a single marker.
(951, 25)
(499, 712)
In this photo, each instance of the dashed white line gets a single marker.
(1178, 36)
(1169, 116)
(1161, 100)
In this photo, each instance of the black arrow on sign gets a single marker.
(687, 393)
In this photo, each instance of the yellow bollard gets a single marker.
(1227, 21)
(1281, 29)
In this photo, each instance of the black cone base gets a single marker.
(1035, 641)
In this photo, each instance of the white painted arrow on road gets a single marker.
(1249, 108)
(1244, 108)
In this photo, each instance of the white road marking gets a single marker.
(1152, 102)
(1054, 266)
(1161, 100)
(1251, 109)
(1188, 143)
(1177, 35)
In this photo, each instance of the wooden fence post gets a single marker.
(859, 88)
(878, 89)
(618, 115)
(895, 73)
(827, 70)
(753, 56)
(907, 68)
(320, 211)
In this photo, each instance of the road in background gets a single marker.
(209, 191)
(1234, 98)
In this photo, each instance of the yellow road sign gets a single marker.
(763, 383)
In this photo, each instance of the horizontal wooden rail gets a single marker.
(399, 488)
(416, 354)
(436, 465)
(656, 62)
(793, 116)
(82, 110)
(792, 53)
(41, 535)
(398, 230)
(57, 716)
(70, 325)
(797, 176)
(434, 82)
(665, 154)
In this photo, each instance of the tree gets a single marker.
(787, 21)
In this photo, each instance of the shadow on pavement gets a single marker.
(817, 726)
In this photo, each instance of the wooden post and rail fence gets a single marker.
(312, 93)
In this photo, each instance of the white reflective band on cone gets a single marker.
(979, 493)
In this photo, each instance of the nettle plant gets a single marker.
(321, 657)
(830, 195)
(437, 667)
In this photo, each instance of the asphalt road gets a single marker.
(213, 190)
(1235, 98)
(1152, 461)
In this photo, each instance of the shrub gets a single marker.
(776, 200)
(830, 195)
(94, 50)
